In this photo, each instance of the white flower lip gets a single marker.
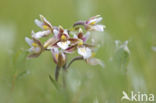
(63, 45)
(95, 61)
(85, 52)
(98, 28)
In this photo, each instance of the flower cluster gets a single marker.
(63, 41)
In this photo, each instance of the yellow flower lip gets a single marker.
(92, 23)
(56, 56)
(45, 27)
(93, 54)
(63, 37)
(80, 42)
(34, 44)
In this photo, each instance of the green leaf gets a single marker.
(53, 82)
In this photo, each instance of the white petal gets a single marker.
(45, 20)
(31, 49)
(34, 49)
(37, 49)
(39, 23)
(86, 36)
(63, 45)
(56, 32)
(41, 34)
(96, 20)
(85, 52)
(98, 27)
(55, 50)
(66, 32)
(95, 61)
(125, 46)
(55, 53)
(29, 41)
(75, 36)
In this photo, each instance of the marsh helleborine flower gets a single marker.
(92, 24)
(63, 41)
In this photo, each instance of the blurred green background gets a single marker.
(26, 80)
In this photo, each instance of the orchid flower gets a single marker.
(46, 27)
(58, 56)
(40, 34)
(92, 24)
(65, 41)
(85, 50)
(50, 43)
(35, 47)
(63, 37)
(88, 55)
(44, 24)
(77, 41)
(82, 36)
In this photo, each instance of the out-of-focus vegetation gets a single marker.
(27, 81)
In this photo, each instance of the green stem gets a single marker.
(57, 70)
(74, 59)
(66, 66)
